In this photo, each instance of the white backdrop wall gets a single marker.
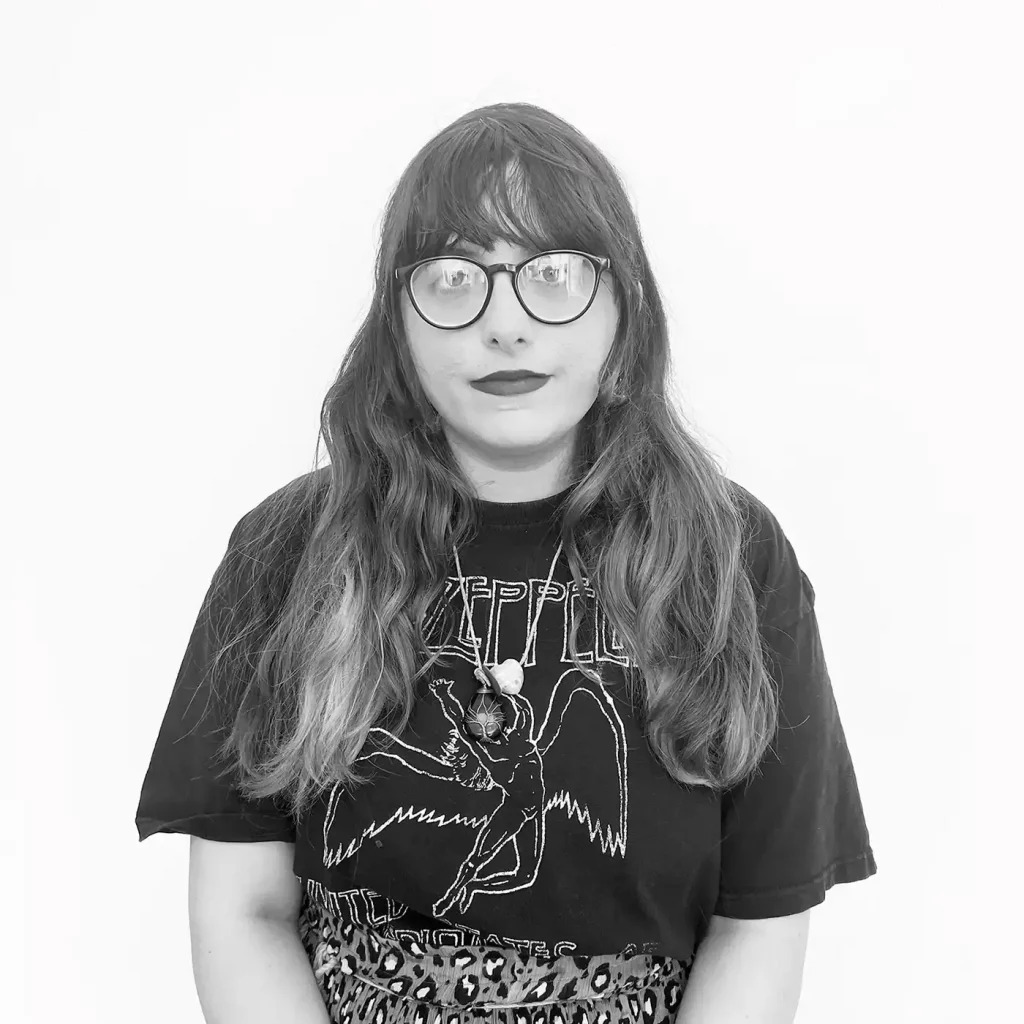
(188, 214)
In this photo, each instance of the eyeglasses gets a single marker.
(554, 287)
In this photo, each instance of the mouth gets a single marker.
(510, 386)
(511, 375)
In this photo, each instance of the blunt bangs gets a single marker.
(483, 189)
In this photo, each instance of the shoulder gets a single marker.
(765, 544)
(285, 515)
(267, 542)
(781, 588)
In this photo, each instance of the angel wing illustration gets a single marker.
(598, 797)
(537, 768)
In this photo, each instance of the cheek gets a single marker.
(436, 358)
(601, 330)
(427, 356)
(440, 368)
(585, 357)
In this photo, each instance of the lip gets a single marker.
(511, 375)
(515, 386)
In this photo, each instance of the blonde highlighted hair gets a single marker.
(330, 579)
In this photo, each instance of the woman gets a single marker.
(518, 707)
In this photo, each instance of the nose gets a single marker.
(504, 305)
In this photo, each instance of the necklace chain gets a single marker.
(536, 620)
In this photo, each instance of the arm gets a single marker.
(747, 972)
(254, 970)
(249, 964)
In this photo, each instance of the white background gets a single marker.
(830, 196)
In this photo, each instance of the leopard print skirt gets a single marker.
(364, 976)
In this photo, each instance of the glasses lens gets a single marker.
(449, 291)
(556, 286)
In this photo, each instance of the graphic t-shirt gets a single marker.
(568, 837)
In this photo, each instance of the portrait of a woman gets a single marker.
(514, 707)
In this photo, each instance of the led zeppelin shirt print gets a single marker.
(496, 805)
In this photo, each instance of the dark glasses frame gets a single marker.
(403, 274)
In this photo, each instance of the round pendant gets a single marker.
(484, 718)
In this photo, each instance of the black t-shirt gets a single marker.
(570, 838)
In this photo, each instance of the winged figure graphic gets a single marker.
(534, 770)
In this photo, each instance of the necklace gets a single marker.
(484, 717)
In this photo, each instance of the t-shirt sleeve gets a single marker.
(185, 789)
(797, 827)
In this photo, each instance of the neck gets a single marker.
(507, 490)
(528, 478)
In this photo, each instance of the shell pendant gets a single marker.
(509, 675)
(484, 717)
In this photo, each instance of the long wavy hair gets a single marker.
(331, 578)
